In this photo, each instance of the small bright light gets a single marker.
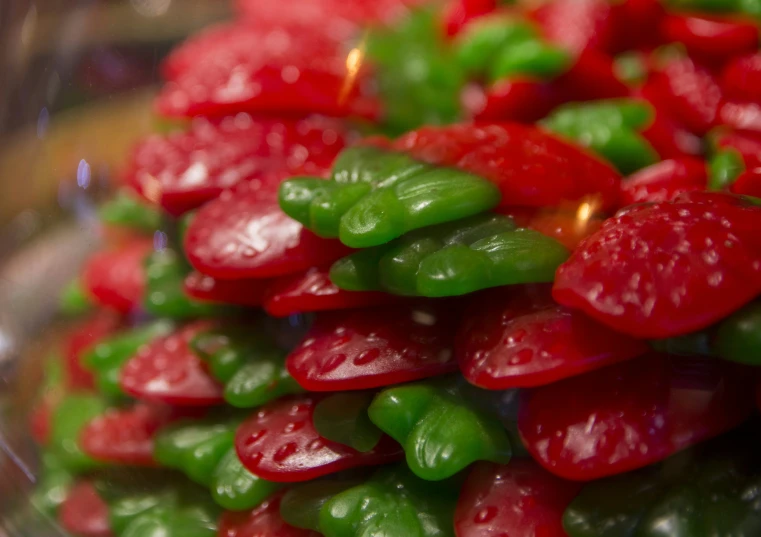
(151, 8)
(584, 213)
(353, 64)
(83, 174)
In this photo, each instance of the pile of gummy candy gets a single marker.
(403, 269)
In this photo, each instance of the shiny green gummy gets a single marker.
(707, 492)
(376, 195)
(724, 168)
(343, 418)
(736, 338)
(126, 210)
(419, 80)
(204, 451)
(69, 418)
(533, 58)
(611, 128)
(248, 363)
(74, 300)
(393, 503)
(441, 426)
(108, 357)
(169, 510)
(52, 486)
(165, 297)
(453, 259)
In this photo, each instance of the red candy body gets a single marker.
(84, 513)
(632, 414)
(711, 39)
(664, 181)
(279, 443)
(241, 292)
(116, 278)
(264, 520)
(79, 341)
(360, 349)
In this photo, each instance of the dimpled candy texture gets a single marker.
(664, 270)
(245, 67)
(243, 234)
(263, 520)
(168, 371)
(279, 443)
(181, 171)
(632, 414)
(529, 166)
(360, 349)
(520, 499)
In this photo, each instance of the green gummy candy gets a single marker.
(392, 503)
(53, 485)
(631, 68)
(531, 58)
(738, 337)
(724, 168)
(235, 488)
(377, 195)
(249, 364)
(441, 427)
(165, 296)
(343, 418)
(126, 210)
(108, 357)
(69, 418)
(453, 259)
(478, 46)
(300, 506)
(74, 300)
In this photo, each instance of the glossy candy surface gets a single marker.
(519, 338)
(360, 349)
(279, 443)
(239, 292)
(664, 181)
(453, 259)
(632, 414)
(84, 513)
(667, 269)
(116, 278)
(263, 520)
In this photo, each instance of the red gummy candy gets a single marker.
(518, 499)
(239, 292)
(711, 39)
(125, 436)
(577, 25)
(529, 166)
(279, 443)
(264, 520)
(168, 371)
(520, 338)
(246, 67)
(741, 78)
(664, 181)
(741, 116)
(313, 291)
(632, 414)
(80, 340)
(116, 278)
(592, 77)
(182, 171)
(241, 235)
(524, 101)
(667, 269)
(670, 139)
(748, 183)
(361, 349)
(748, 144)
(84, 513)
(459, 13)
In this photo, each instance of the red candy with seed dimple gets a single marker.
(518, 499)
(116, 278)
(664, 181)
(529, 166)
(632, 414)
(262, 521)
(182, 171)
(168, 371)
(519, 338)
(279, 443)
(360, 349)
(741, 78)
(243, 235)
(84, 513)
(240, 292)
(313, 291)
(290, 70)
(667, 269)
(711, 39)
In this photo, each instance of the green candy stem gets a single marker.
(377, 195)
(453, 259)
(533, 58)
(441, 426)
(74, 300)
(724, 168)
(610, 128)
(53, 485)
(343, 418)
(69, 418)
(165, 296)
(301, 506)
(235, 488)
(126, 210)
(249, 364)
(108, 357)
(480, 43)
